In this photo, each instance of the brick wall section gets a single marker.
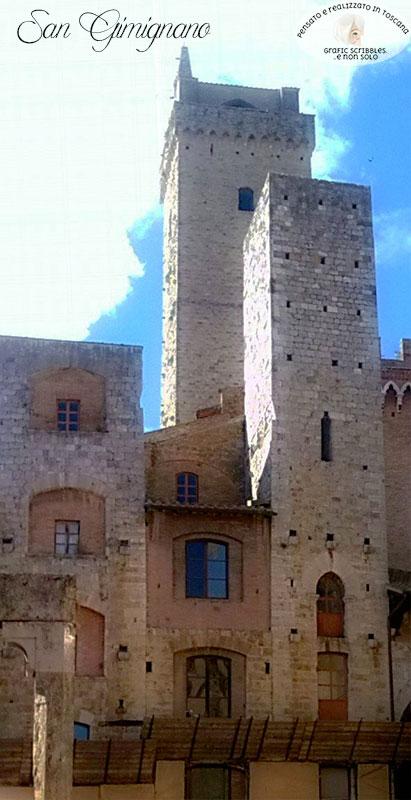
(310, 496)
(212, 448)
(67, 384)
(107, 465)
(397, 455)
(210, 153)
(67, 504)
(249, 605)
(89, 642)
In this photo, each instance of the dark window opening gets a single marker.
(68, 415)
(187, 488)
(81, 731)
(215, 782)
(320, 202)
(334, 362)
(289, 357)
(334, 783)
(330, 605)
(326, 451)
(354, 205)
(322, 260)
(238, 103)
(287, 256)
(245, 199)
(206, 569)
(288, 304)
(208, 690)
(356, 264)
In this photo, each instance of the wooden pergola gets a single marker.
(233, 742)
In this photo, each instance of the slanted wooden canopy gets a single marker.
(231, 741)
(234, 742)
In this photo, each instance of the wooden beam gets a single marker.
(354, 742)
(261, 742)
(235, 737)
(193, 738)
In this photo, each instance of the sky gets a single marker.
(82, 131)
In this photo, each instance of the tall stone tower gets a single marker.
(221, 139)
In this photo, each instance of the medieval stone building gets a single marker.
(219, 609)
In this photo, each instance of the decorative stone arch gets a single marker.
(237, 677)
(52, 506)
(392, 386)
(17, 688)
(64, 384)
(405, 391)
(199, 132)
(212, 133)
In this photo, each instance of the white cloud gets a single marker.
(392, 236)
(82, 137)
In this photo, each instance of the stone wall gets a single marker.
(325, 357)
(396, 382)
(107, 465)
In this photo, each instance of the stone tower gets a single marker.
(314, 427)
(220, 139)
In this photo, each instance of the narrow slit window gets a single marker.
(326, 452)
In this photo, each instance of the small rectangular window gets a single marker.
(81, 731)
(66, 537)
(68, 415)
(187, 488)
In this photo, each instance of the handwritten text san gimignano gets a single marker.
(103, 28)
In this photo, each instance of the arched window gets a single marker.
(187, 488)
(209, 682)
(330, 605)
(245, 199)
(206, 568)
(208, 685)
(332, 686)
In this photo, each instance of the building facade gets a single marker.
(217, 610)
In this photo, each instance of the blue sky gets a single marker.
(377, 132)
(80, 224)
